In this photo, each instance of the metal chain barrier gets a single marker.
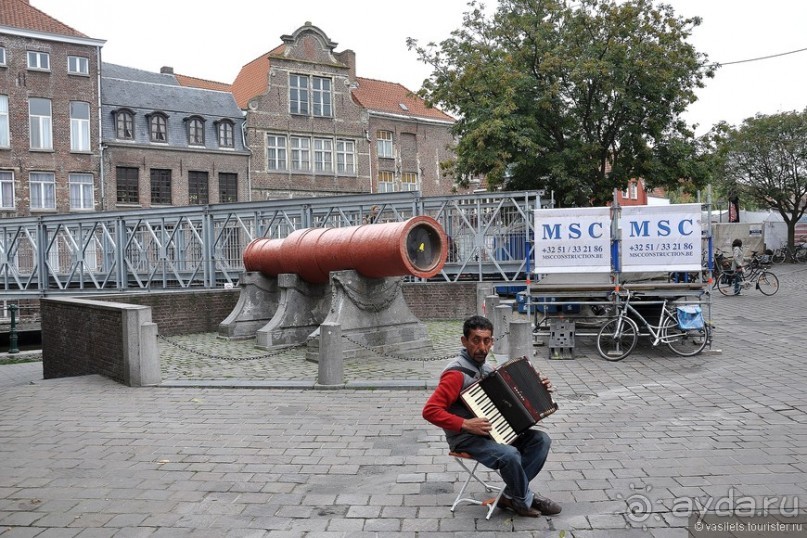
(220, 357)
(398, 357)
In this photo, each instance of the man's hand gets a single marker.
(476, 426)
(547, 383)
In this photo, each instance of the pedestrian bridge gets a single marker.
(201, 246)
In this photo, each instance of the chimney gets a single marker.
(348, 57)
(166, 70)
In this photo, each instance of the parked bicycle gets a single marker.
(681, 327)
(755, 273)
(796, 254)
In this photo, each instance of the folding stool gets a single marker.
(465, 459)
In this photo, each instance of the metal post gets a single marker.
(12, 335)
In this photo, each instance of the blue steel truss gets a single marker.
(201, 246)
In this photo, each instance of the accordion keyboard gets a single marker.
(482, 406)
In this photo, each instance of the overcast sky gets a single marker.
(212, 40)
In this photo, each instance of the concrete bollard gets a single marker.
(501, 326)
(520, 338)
(482, 291)
(331, 360)
(491, 302)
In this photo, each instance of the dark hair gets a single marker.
(737, 243)
(476, 322)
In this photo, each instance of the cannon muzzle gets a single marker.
(416, 247)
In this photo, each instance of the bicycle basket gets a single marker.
(690, 317)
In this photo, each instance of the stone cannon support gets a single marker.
(256, 305)
(300, 310)
(374, 319)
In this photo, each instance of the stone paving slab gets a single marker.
(638, 445)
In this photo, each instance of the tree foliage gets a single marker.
(764, 161)
(574, 97)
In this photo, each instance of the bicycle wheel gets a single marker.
(725, 283)
(768, 283)
(617, 338)
(684, 342)
(778, 255)
(800, 255)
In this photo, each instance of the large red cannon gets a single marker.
(416, 247)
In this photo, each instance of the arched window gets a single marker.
(225, 132)
(158, 127)
(124, 125)
(196, 131)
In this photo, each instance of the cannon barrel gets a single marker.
(416, 247)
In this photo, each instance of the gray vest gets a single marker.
(471, 373)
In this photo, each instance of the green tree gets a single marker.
(576, 97)
(764, 161)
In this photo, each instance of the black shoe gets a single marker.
(524, 511)
(546, 506)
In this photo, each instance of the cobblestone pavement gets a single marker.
(638, 445)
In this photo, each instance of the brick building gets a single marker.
(77, 134)
(49, 114)
(314, 127)
(165, 144)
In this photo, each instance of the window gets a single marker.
(298, 94)
(6, 190)
(316, 99)
(345, 157)
(323, 155)
(78, 65)
(634, 190)
(386, 182)
(127, 181)
(40, 123)
(276, 152)
(160, 186)
(384, 142)
(300, 153)
(197, 188)
(5, 138)
(81, 191)
(2, 56)
(38, 60)
(196, 131)
(124, 125)
(321, 95)
(79, 126)
(228, 187)
(158, 128)
(409, 181)
(43, 190)
(225, 131)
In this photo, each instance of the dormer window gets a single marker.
(158, 127)
(196, 131)
(224, 129)
(124, 124)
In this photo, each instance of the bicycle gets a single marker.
(618, 337)
(797, 254)
(756, 274)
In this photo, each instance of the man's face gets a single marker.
(478, 344)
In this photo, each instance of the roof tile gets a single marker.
(20, 14)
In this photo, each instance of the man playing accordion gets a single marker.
(518, 462)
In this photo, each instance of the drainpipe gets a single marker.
(101, 177)
(249, 159)
(369, 158)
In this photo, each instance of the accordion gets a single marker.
(512, 398)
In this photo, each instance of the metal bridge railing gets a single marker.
(201, 246)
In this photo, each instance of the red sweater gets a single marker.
(447, 392)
